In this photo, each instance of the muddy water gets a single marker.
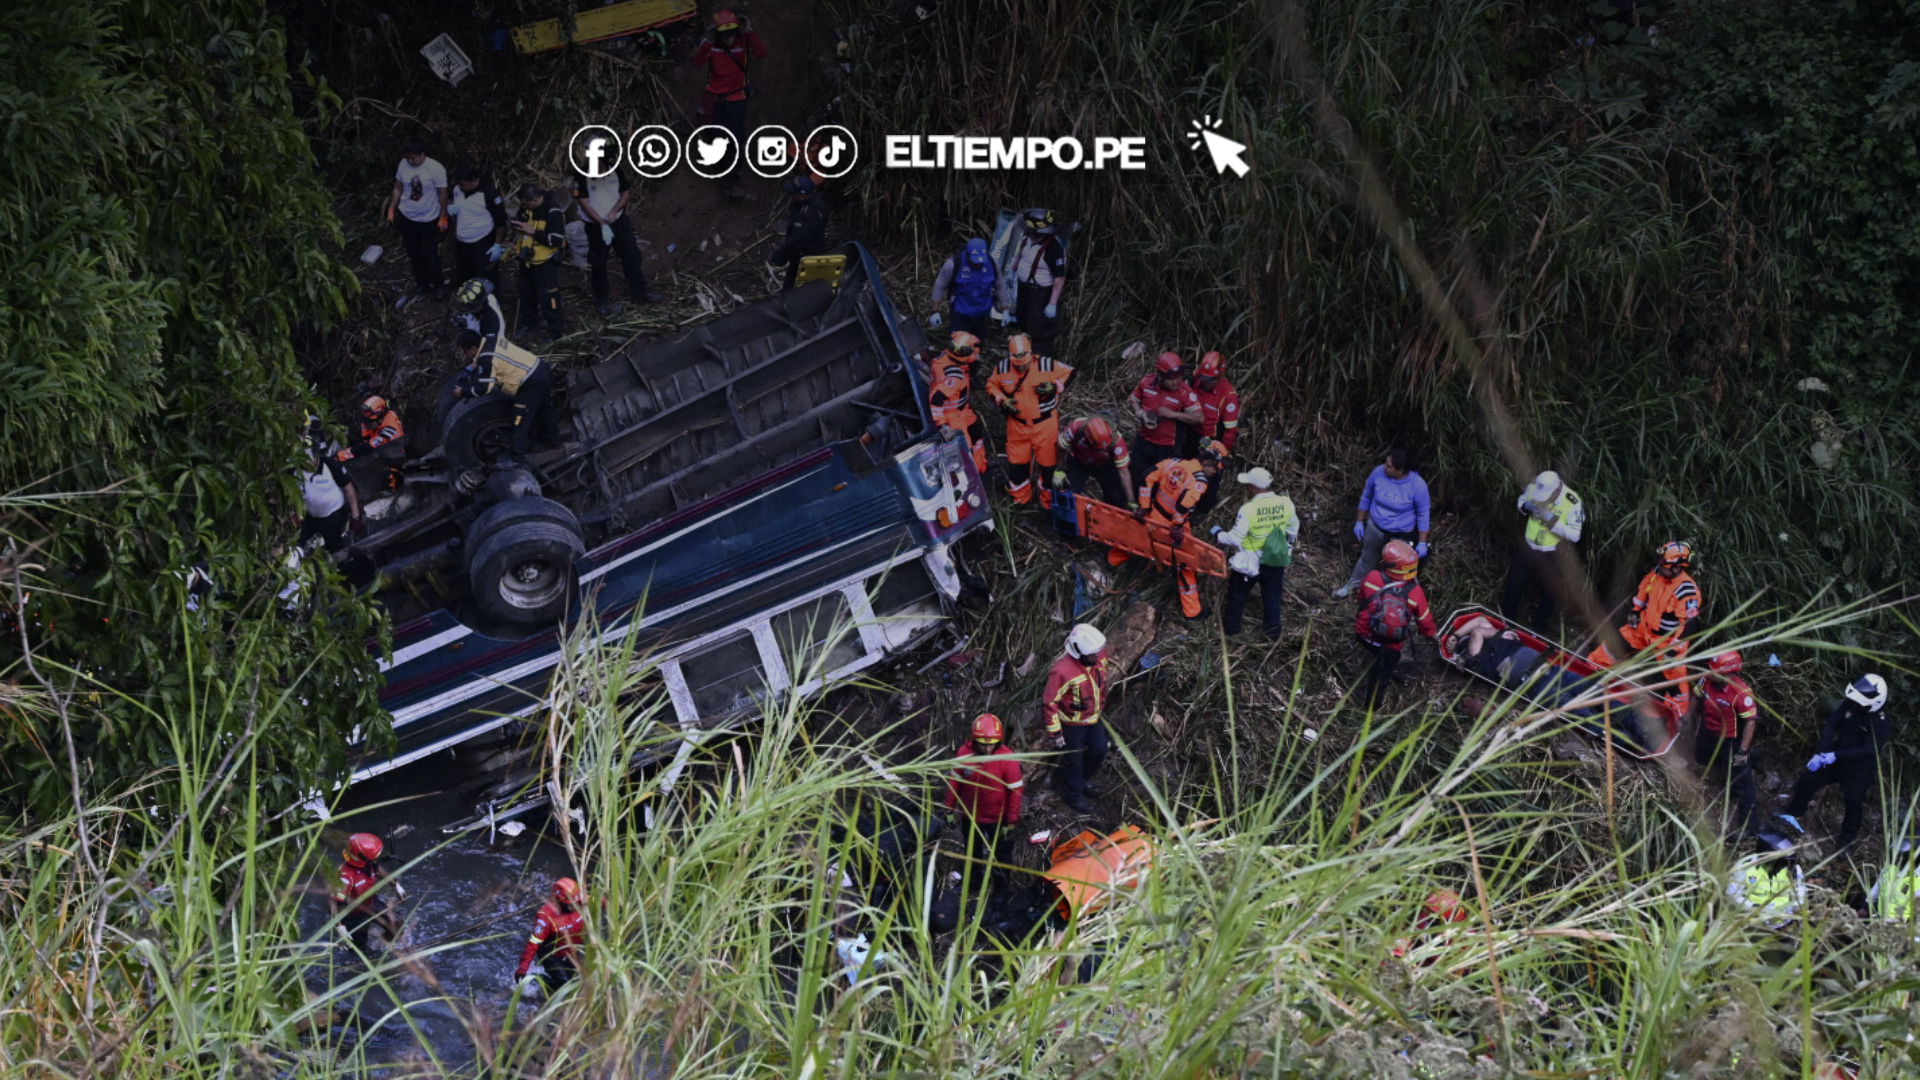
(451, 883)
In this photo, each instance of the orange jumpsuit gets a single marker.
(1662, 609)
(1033, 424)
(1168, 494)
(949, 402)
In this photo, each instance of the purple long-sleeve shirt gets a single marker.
(1395, 505)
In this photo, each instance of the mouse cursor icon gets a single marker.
(1225, 153)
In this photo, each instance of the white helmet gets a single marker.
(1868, 692)
(1084, 641)
(1543, 486)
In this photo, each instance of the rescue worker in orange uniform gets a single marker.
(986, 787)
(1728, 716)
(1076, 692)
(352, 900)
(1664, 612)
(1027, 388)
(1095, 449)
(559, 931)
(1219, 404)
(382, 440)
(1167, 497)
(950, 395)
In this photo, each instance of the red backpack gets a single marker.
(1389, 616)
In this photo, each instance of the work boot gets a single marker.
(608, 310)
(1203, 613)
(1343, 591)
(649, 297)
(1079, 803)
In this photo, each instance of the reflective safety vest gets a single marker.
(532, 251)
(1670, 605)
(509, 365)
(1259, 516)
(1895, 895)
(1772, 892)
(948, 401)
(1172, 489)
(1034, 389)
(1566, 512)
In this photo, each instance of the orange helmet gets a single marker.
(373, 408)
(1167, 364)
(1677, 553)
(1212, 450)
(987, 728)
(364, 848)
(1099, 430)
(962, 344)
(1020, 350)
(567, 891)
(1443, 905)
(1398, 559)
(1211, 366)
(1725, 663)
(723, 20)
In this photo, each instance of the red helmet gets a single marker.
(1020, 350)
(1444, 905)
(567, 891)
(364, 848)
(987, 728)
(1099, 430)
(1725, 663)
(1677, 553)
(373, 408)
(962, 344)
(1211, 366)
(1398, 558)
(1168, 364)
(723, 20)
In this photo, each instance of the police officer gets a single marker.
(1847, 754)
(542, 229)
(495, 365)
(1554, 515)
(1260, 545)
(968, 276)
(806, 227)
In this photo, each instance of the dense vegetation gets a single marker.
(166, 233)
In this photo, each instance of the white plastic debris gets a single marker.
(372, 254)
(1310, 735)
(513, 828)
(854, 953)
(447, 59)
(1041, 837)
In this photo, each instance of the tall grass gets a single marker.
(1599, 944)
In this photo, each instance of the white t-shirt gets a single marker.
(474, 220)
(420, 189)
(602, 193)
(321, 492)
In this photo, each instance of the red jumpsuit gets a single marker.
(1169, 493)
(556, 940)
(351, 897)
(986, 787)
(1219, 412)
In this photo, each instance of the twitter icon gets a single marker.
(712, 151)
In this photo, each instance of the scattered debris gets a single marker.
(372, 254)
(1027, 665)
(1810, 385)
(447, 59)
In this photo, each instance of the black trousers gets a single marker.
(972, 324)
(1030, 311)
(1380, 676)
(1087, 746)
(559, 972)
(1146, 455)
(332, 529)
(533, 406)
(422, 242)
(359, 929)
(984, 843)
(1714, 754)
(625, 246)
(470, 261)
(540, 296)
(1530, 569)
(1272, 581)
(1112, 491)
(1853, 780)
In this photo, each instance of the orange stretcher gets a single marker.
(1091, 519)
(601, 23)
(1089, 869)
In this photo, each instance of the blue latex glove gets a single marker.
(1360, 531)
(494, 253)
(1420, 550)
(1052, 310)
(1819, 761)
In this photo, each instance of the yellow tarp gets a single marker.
(600, 23)
(1090, 868)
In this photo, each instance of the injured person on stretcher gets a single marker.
(1549, 677)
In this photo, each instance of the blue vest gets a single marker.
(972, 288)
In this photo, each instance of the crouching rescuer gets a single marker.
(559, 932)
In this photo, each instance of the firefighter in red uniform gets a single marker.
(1163, 401)
(382, 441)
(1219, 404)
(1665, 611)
(950, 395)
(1027, 388)
(1724, 741)
(986, 787)
(1392, 607)
(559, 930)
(1095, 449)
(352, 900)
(1167, 497)
(724, 52)
(1076, 691)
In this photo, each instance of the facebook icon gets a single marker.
(595, 151)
